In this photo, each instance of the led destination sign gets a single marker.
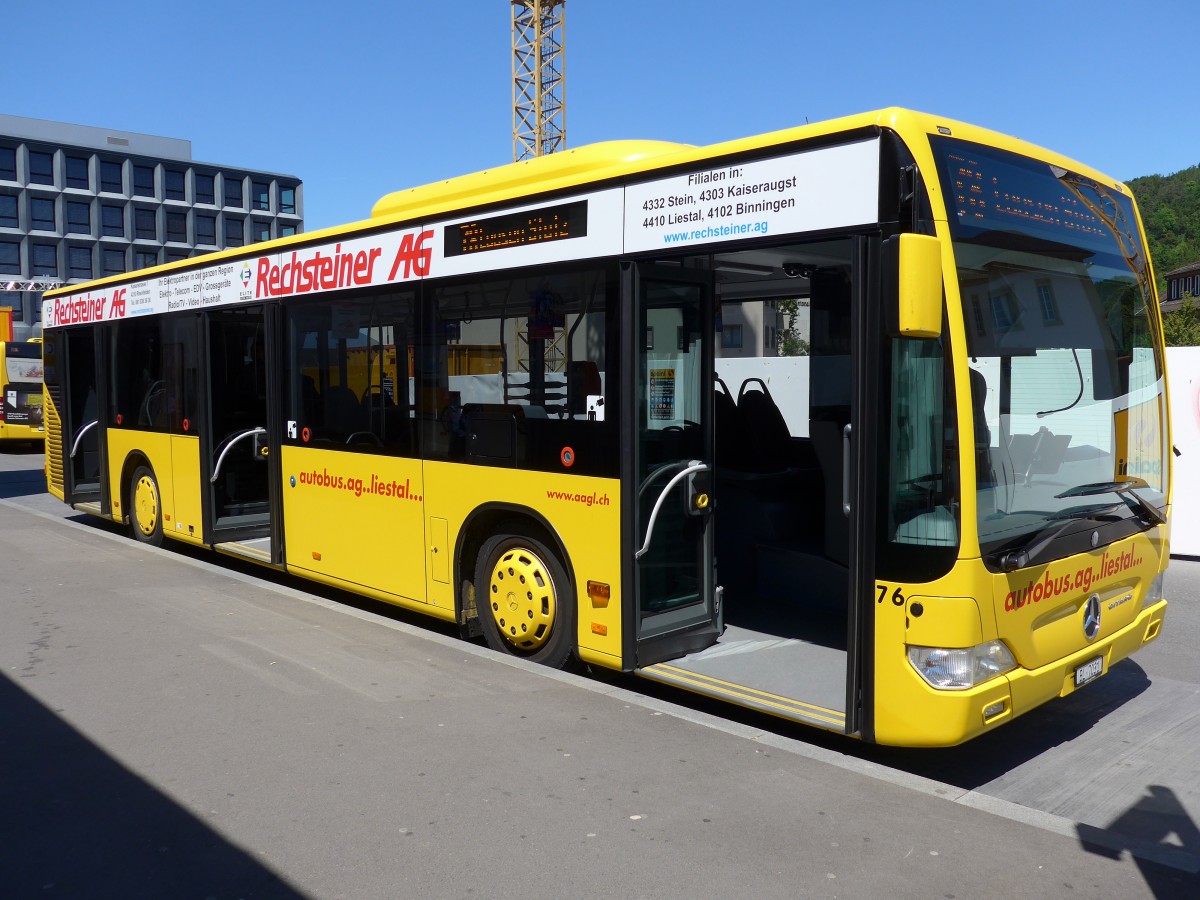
(535, 226)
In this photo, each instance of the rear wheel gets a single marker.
(145, 514)
(525, 601)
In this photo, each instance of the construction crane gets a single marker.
(539, 102)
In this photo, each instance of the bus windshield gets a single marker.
(1066, 383)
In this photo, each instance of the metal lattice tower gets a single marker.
(539, 102)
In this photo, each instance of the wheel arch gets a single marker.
(494, 518)
(132, 461)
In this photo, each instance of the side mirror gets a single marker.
(914, 270)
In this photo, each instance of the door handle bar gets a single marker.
(82, 431)
(846, 471)
(692, 467)
(228, 447)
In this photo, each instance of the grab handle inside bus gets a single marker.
(82, 431)
(228, 446)
(914, 265)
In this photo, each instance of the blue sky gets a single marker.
(362, 98)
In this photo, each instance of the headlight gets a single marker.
(1154, 593)
(957, 670)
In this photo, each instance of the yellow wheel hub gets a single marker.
(521, 597)
(145, 505)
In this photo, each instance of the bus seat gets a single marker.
(728, 430)
(343, 412)
(768, 438)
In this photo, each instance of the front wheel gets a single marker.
(145, 514)
(525, 601)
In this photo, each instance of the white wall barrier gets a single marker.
(1183, 370)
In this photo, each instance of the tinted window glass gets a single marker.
(110, 177)
(143, 181)
(8, 211)
(77, 172)
(8, 163)
(79, 218)
(45, 259)
(113, 221)
(204, 188)
(41, 167)
(41, 214)
(10, 257)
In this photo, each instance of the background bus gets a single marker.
(545, 402)
(20, 385)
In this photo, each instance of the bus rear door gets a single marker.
(237, 451)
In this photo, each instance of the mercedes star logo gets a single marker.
(1091, 616)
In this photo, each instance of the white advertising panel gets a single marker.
(829, 188)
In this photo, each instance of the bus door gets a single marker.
(668, 474)
(237, 451)
(79, 376)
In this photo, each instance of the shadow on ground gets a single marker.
(76, 823)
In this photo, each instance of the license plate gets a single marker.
(1089, 671)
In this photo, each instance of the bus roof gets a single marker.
(595, 163)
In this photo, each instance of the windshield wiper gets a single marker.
(1011, 560)
(1143, 508)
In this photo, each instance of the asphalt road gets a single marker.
(173, 724)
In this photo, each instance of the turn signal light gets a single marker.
(599, 593)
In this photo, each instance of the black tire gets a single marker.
(145, 507)
(525, 600)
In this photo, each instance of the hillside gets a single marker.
(1170, 206)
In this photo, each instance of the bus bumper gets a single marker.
(925, 717)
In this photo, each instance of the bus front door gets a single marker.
(668, 474)
(237, 450)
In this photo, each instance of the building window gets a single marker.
(144, 259)
(205, 190)
(177, 227)
(41, 214)
(45, 260)
(8, 211)
(176, 255)
(10, 257)
(234, 232)
(114, 261)
(287, 200)
(1004, 312)
(79, 218)
(12, 299)
(233, 191)
(173, 185)
(144, 225)
(1048, 303)
(41, 167)
(112, 221)
(731, 337)
(77, 172)
(79, 262)
(143, 181)
(287, 230)
(8, 163)
(262, 195)
(262, 231)
(206, 230)
(111, 179)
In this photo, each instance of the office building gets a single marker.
(78, 202)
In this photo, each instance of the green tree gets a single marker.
(1181, 326)
(789, 342)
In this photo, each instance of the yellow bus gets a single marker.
(20, 385)
(547, 402)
